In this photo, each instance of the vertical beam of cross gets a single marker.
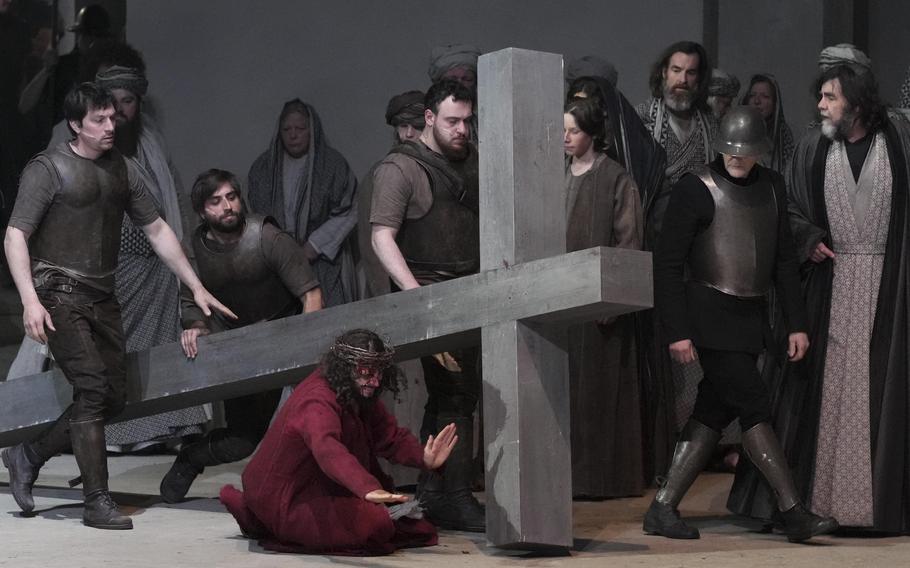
(525, 366)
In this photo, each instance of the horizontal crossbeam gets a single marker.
(579, 286)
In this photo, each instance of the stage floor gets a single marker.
(200, 533)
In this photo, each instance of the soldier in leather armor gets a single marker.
(725, 241)
(82, 189)
(425, 229)
(263, 274)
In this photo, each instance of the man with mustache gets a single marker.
(425, 229)
(847, 186)
(62, 245)
(263, 274)
(677, 114)
(678, 117)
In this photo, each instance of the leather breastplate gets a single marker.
(447, 238)
(736, 253)
(240, 277)
(81, 229)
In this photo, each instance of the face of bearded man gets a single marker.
(127, 120)
(223, 211)
(681, 81)
(450, 127)
(838, 119)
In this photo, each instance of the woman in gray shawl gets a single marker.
(308, 188)
(764, 94)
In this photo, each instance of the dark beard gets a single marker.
(126, 137)
(451, 153)
(219, 227)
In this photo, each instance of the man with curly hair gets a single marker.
(315, 485)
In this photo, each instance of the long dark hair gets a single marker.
(861, 92)
(339, 370)
(656, 80)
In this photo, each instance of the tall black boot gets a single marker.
(763, 448)
(194, 458)
(693, 451)
(25, 460)
(447, 499)
(91, 454)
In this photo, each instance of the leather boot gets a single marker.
(191, 461)
(693, 451)
(447, 499)
(91, 454)
(22, 475)
(25, 460)
(763, 448)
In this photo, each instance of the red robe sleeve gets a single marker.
(398, 445)
(319, 423)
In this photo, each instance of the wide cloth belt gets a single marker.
(859, 248)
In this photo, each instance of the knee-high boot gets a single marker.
(25, 460)
(693, 450)
(763, 448)
(91, 454)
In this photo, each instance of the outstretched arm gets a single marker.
(166, 246)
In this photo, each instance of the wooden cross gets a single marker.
(521, 301)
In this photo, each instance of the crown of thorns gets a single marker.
(359, 355)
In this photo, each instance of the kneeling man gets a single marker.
(726, 240)
(263, 274)
(315, 485)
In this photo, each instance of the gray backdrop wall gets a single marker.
(219, 72)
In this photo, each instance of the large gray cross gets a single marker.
(522, 300)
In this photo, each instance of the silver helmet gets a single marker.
(742, 132)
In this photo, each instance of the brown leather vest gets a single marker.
(447, 238)
(240, 277)
(736, 254)
(80, 231)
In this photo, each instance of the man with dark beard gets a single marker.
(848, 184)
(677, 114)
(315, 485)
(263, 274)
(678, 118)
(425, 230)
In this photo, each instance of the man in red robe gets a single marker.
(315, 485)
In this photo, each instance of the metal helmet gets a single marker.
(92, 20)
(742, 132)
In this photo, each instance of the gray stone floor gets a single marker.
(200, 533)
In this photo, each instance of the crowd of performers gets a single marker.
(779, 278)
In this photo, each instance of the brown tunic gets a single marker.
(604, 209)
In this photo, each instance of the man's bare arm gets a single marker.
(34, 316)
(166, 246)
(312, 300)
(386, 249)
